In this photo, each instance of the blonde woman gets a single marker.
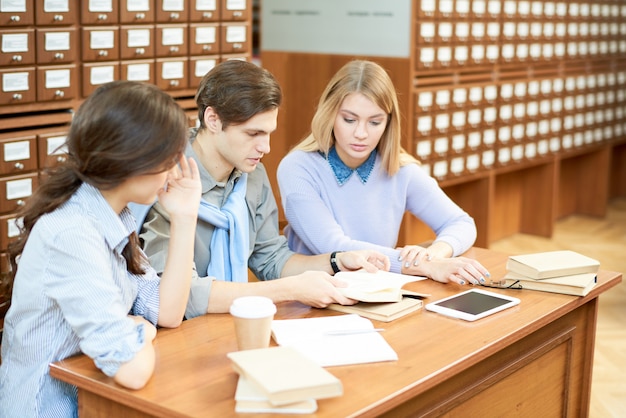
(348, 184)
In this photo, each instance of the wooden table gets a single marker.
(531, 360)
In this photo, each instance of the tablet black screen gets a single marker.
(473, 303)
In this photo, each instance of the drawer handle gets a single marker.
(15, 18)
(103, 53)
(20, 203)
(140, 16)
(102, 17)
(59, 55)
(17, 96)
(59, 93)
(58, 18)
(207, 15)
(61, 159)
(17, 58)
(174, 83)
(237, 14)
(237, 45)
(206, 47)
(140, 51)
(173, 49)
(174, 15)
(19, 166)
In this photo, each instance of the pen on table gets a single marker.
(353, 331)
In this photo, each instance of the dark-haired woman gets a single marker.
(82, 282)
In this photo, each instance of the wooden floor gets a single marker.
(605, 240)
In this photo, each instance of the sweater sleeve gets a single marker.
(450, 223)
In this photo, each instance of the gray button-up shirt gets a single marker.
(268, 251)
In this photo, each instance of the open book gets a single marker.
(334, 340)
(382, 286)
(283, 375)
(551, 264)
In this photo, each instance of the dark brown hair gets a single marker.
(123, 129)
(237, 90)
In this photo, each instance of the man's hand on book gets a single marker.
(369, 260)
(318, 289)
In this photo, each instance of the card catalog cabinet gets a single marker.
(516, 107)
(54, 53)
(96, 41)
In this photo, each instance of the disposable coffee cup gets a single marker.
(253, 317)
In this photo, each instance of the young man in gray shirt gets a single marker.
(237, 108)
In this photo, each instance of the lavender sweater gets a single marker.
(324, 216)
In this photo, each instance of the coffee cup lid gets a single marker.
(252, 307)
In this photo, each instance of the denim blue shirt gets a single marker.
(343, 172)
(72, 293)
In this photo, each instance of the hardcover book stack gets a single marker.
(280, 380)
(565, 271)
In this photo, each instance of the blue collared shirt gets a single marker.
(72, 294)
(343, 172)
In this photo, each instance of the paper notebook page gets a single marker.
(308, 336)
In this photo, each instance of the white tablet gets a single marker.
(472, 304)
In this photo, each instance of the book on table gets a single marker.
(382, 286)
(550, 264)
(574, 284)
(250, 399)
(380, 311)
(282, 375)
(336, 340)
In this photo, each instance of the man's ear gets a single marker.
(212, 120)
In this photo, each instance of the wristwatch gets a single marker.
(333, 261)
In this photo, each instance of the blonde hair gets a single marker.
(372, 81)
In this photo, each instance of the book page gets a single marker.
(382, 286)
(310, 337)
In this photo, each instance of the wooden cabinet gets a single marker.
(99, 12)
(18, 47)
(137, 42)
(53, 54)
(57, 45)
(136, 12)
(60, 13)
(17, 14)
(518, 109)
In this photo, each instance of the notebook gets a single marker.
(334, 340)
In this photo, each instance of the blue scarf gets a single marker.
(229, 243)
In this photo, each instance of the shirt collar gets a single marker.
(117, 227)
(343, 172)
(207, 181)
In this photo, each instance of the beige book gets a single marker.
(382, 311)
(248, 399)
(283, 375)
(575, 284)
(382, 286)
(551, 264)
